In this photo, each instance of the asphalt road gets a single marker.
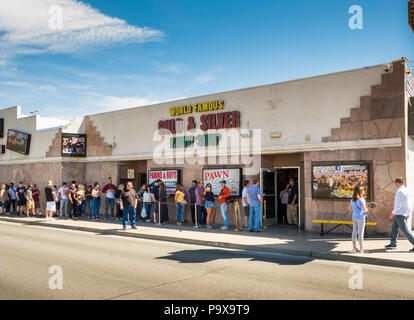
(96, 266)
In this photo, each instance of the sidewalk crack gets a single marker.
(166, 284)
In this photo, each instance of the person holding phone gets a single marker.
(210, 206)
(358, 207)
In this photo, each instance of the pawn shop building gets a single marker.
(329, 133)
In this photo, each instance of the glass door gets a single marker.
(268, 187)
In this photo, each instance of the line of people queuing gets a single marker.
(20, 200)
(73, 201)
(203, 213)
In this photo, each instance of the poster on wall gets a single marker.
(18, 141)
(131, 173)
(73, 145)
(233, 179)
(170, 177)
(338, 180)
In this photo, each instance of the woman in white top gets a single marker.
(358, 207)
(96, 201)
(147, 200)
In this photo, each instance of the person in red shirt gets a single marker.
(36, 199)
(109, 190)
(224, 194)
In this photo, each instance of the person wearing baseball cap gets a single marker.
(224, 194)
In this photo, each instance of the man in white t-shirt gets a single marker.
(63, 192)
(50, 201)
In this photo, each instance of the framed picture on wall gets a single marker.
(337, 180)
(73, 145)
(18, 141)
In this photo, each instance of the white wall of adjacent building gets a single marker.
(40, 140)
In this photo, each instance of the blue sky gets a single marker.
(114, 54)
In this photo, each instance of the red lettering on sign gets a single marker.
(220, 120)
(179, 125)
(227, 120)
(203, 120)
(191, 124)
(235, 116)
(216, 175)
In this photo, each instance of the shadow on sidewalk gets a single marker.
(207, 255)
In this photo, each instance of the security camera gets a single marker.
(387, 68)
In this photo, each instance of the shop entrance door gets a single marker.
(283, 175)
(138, 180)
(268, 187)
(272, 182)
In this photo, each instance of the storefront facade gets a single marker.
(322, 130)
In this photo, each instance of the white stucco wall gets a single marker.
(40, 140)
(297, 108)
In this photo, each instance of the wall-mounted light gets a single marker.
(245, 133)
(112, 145)
(275, 135)
(307, 138)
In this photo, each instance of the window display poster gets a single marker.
(131, 173)
(232, 176)
(169, 177)
(73, 145)
(338, 181)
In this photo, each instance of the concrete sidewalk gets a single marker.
(276, 240)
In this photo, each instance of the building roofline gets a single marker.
(246, 88)
(237, 90)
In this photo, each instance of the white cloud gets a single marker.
(18, 84)
(172, 68)
(32, 27)
(209, 75)
(204, 78)
(47, 87)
